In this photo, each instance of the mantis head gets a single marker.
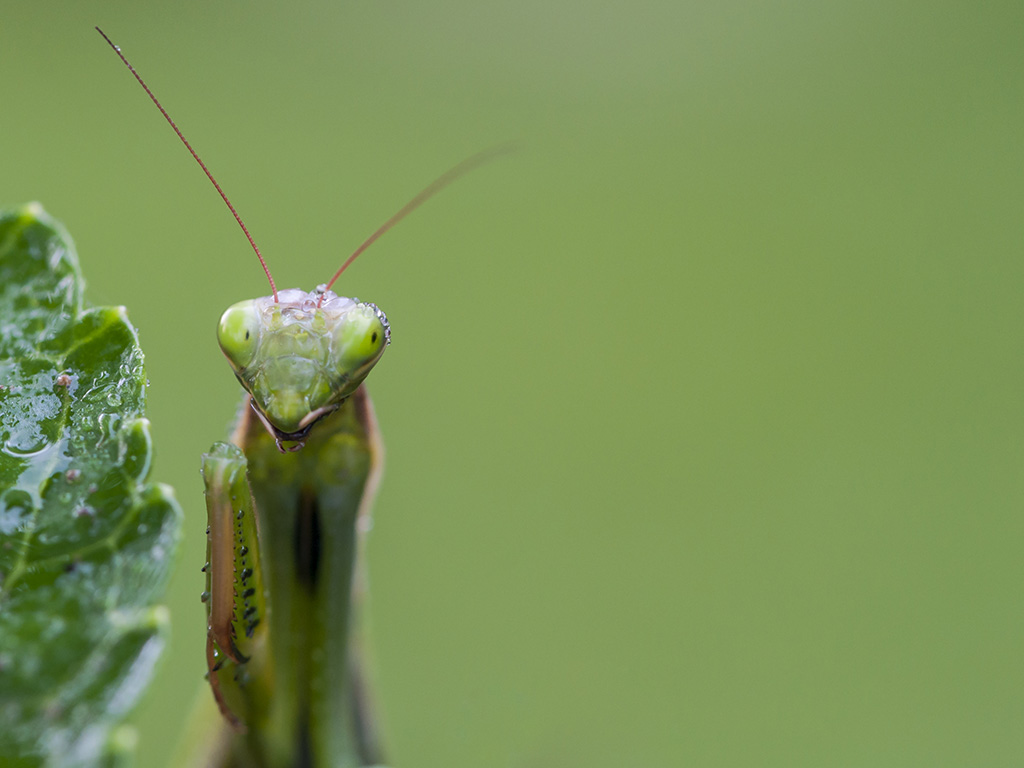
(301, 356)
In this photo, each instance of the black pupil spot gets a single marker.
(374, 337)
(247, 335)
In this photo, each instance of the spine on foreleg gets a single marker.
(234, 590)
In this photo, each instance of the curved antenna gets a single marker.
(202, 165)
(435, 186)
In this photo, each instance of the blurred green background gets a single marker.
(704, 411)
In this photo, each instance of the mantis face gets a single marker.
(299, 361)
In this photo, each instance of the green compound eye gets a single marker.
(360, 340)
(238, 333)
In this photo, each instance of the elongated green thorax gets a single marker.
(285, 651)
(298, 360)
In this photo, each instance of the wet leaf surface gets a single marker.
(86, 542)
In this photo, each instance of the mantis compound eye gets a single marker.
(359, 341)
(238, 334)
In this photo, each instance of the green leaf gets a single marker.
(85, 542)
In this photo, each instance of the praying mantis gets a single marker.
(288, 501)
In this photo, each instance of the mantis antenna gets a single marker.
(429, 191)
(202, 165)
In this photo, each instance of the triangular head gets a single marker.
(302, 356)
